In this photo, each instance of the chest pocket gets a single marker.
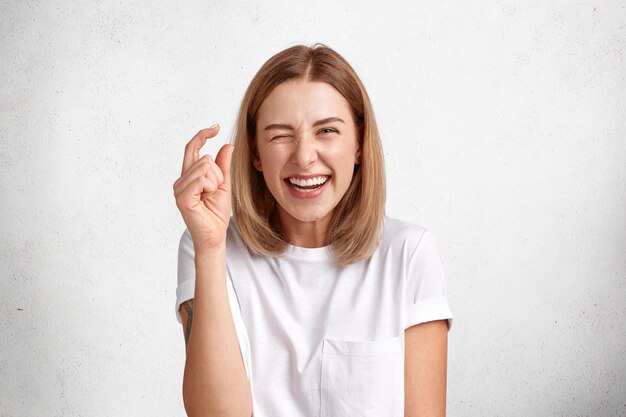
(362, 378)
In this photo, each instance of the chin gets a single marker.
(307, 216)
(304, 217)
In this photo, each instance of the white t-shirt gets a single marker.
(319, 340)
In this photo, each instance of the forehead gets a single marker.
(303, 100)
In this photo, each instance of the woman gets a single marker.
(309, 302)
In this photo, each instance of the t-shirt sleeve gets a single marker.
(186, 272)
(426, 295)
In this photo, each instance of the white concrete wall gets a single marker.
(504, 128)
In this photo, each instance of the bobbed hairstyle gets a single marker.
(356, 223)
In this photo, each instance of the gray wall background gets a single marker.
(504, 130)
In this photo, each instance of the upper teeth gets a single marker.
(301, 182)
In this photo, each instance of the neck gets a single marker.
(306, 234)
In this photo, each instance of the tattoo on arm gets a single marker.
(188, 305)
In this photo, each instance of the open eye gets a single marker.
(328, 130)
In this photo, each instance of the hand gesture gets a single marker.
(203, 192)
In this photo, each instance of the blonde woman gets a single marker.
(309, 301)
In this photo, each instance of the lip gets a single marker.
(306, 177)
(309, 194)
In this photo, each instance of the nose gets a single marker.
(305, 151)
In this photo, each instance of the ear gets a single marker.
(256, 162)
(359, 150)
(254, 158)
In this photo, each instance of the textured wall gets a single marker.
(504, 128)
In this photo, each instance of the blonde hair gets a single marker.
(357, 220)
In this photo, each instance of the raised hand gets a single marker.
(203, 192)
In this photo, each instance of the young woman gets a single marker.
(309, 301)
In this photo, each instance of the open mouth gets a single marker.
(307, 185)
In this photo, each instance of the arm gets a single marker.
(425, 368)
(215, 381)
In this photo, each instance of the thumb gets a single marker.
(223, 159)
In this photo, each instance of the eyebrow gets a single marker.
(290, 127)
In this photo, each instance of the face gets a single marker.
(307, 148)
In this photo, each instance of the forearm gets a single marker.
(215, 381)
(425, 369)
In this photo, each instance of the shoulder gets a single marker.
(235, 245)
(400, 234)
(233, 238)
(395, 226)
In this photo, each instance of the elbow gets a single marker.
(218, 413)
(201, 406)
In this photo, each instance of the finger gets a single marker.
(204, 167)
(223, 160)
(217, 172)
(195, 191)
(192, 149)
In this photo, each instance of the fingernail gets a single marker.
(214, 126)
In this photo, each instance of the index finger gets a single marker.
(192, 149)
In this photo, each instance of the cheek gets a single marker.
(271, 170)
(264, 162)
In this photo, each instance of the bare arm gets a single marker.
(425, 368)
(215, 381)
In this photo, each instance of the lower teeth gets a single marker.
(306, 190)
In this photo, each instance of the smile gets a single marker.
(307, 185)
